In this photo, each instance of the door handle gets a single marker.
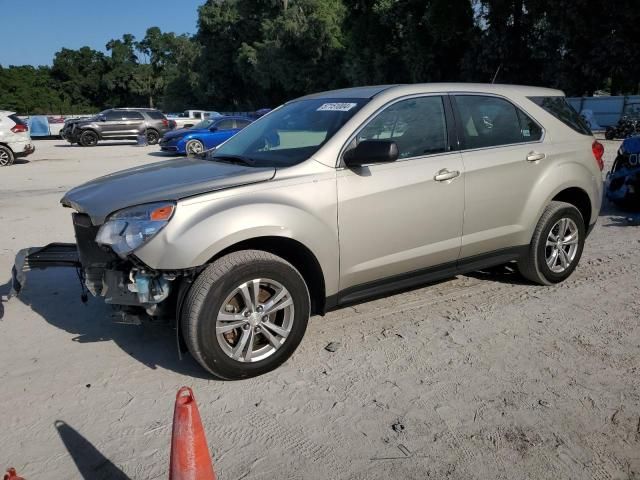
(444, 175)
(535, 156)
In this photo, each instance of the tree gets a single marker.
(79, 74)
(300, 50)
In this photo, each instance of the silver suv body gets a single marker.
(337, 197)
(117, 124)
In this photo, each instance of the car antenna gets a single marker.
(496, 74)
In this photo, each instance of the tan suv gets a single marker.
(336, 197)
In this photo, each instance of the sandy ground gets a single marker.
(482, 376)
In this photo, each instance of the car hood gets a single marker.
(182, 132)
(167, 180)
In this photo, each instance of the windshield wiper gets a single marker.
(237, 159)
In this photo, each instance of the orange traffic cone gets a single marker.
(190, 459)
(12, 475)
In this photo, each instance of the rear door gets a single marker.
(133, 123)
(503, 154)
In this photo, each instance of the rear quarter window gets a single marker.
(560, 108)
(17, 120)
(155, 115)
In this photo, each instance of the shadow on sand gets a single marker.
(90, 462)
(54, 294)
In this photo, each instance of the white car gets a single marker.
(15, 140)
(189, 118)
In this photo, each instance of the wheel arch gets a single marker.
(294, 252)
(579, 198)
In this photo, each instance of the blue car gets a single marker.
(204, 135)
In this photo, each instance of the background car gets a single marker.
(15, 140)
(118, 124)
(205, 135)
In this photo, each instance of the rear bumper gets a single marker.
(22, 148)
(29, 149)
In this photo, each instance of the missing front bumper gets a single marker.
(52, 255)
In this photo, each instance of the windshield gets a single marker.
(290, 134)
(203, 124)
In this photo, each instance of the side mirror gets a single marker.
(102, 118)
(213, 129)
(371, 151)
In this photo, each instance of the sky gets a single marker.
(33, 30)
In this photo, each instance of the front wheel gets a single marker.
(556, 246)
(194, 147)
(88, 138)
(245, 314)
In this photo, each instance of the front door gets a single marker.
(405, 216)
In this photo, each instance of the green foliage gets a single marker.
(255, 53)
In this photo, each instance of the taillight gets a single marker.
(19, 128)
(165, 123)
(598, 152)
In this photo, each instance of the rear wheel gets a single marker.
(6, 156)
(194, 147)
(245, 314)
(152, 137)
(88, 138)
(556, 246)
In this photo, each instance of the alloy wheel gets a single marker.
(195, 147)
(5, 158)
(562, 245)
(255, 320)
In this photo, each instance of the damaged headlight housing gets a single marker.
(128, 229)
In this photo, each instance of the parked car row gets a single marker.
(133, 123)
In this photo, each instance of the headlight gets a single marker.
(128, 229)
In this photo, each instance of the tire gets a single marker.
(6, 156)
(152, 137)
(534, 265)
(194, 147)
(609, 134)
(216, 300)
(88, 138)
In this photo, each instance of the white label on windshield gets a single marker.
(336, 107)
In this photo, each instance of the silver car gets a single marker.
(334, 198)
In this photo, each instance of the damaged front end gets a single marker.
(120, 278)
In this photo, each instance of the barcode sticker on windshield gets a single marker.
(336, 107)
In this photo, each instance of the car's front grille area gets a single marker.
(89, 252)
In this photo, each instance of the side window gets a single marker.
(155, 115)
(113, 116)
(531, 131)
(417, 125)
(490, 122)
(132, 116)
(225, 125)
(242, 123)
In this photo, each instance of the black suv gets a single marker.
(117, 124)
